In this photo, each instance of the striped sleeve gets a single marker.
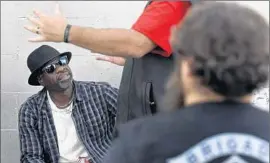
(111, 95)
(30, 147)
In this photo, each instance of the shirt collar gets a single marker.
(77, 90)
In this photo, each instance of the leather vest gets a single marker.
(142, 86)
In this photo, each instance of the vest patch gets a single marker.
(234, 145)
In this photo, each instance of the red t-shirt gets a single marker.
(157, 20)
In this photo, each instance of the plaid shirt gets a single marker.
(94, 112)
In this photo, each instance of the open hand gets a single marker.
(47, 27)
(115, 60)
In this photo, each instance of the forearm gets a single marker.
(112, 42)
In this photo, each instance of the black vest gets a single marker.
(142, 85)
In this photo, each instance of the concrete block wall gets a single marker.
(15, 49)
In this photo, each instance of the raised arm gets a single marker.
(150, 30)
(112, 42)
(30, 146)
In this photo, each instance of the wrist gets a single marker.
(67, 33)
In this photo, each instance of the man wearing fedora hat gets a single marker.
(68, 120)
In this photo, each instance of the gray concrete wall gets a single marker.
(15, 49)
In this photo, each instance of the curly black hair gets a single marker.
(229, 45)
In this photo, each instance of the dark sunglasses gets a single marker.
(50, 68)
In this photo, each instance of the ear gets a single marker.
(40, 80)
(186, 64)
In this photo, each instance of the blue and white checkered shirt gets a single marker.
(94, 112)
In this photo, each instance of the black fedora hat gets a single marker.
(38, 58)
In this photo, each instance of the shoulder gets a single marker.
(158, 126)
(152, 135)
(136, 141)
(160, 9)
(169, 5)
(95, 88)
(146, 132)
(30, 105)
(171, 10)
(92, 84)
(148, 125)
